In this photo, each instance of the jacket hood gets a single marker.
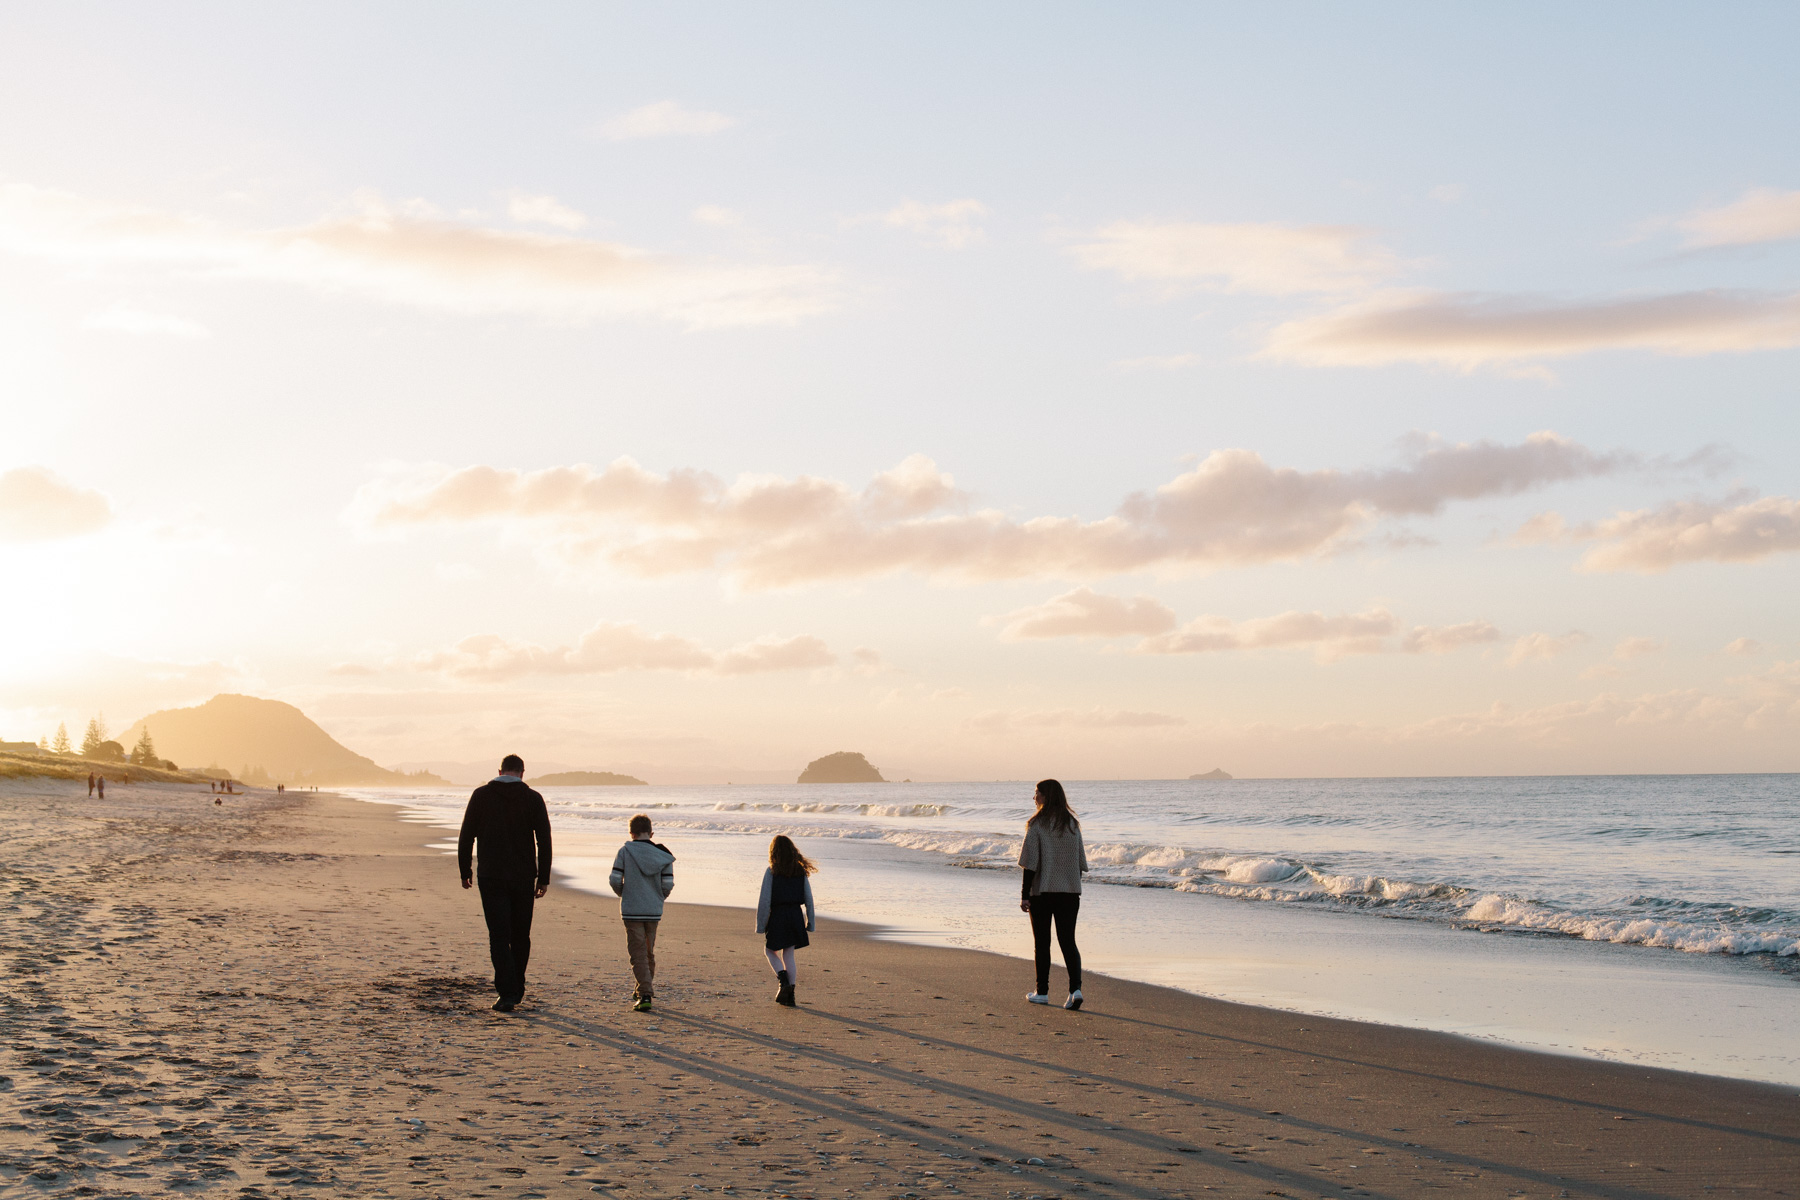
(648, 857)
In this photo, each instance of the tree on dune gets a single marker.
(94, 738)
(60, 743)
(144, 752)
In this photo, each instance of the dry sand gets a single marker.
(288, 996)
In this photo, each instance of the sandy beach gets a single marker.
(288, 995)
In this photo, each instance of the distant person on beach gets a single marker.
(90, 783)
(1054, 859)
(643, 875)
(512, 826)
(101, 782)
(786, 890)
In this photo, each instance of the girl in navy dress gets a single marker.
(786, 892)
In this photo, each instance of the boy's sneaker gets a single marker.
(1074, 1000)
(642, 1004)
(1037, 997)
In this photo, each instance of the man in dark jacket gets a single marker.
(507, 818)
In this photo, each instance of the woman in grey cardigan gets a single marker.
(1053, 858)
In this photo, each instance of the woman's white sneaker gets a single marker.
(1037, 998)
(1074, 1000)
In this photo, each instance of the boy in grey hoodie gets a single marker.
(643, 874)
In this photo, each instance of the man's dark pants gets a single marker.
(506, 906)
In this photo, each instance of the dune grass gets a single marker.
(58, 766)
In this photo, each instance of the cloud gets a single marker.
(543, 210)
(1084, 613)
(1070, 718)
(1270, 260)
(955, 225)
(120, 319)
(351, 670)
(614, 646)
(413, 254)
(1465, 331)
(866, 660)
(1442, 639)
(1638, 647)
(1759, 215)
(1329, 637)
(37, 506)
(1232, 509)
(713, 214)
(1541, 646)
(1743, 647)
(1651, 540)
(665, 118)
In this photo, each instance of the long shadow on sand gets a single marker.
(811, 1099)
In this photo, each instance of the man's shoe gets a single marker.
(504, 1005)
(1037, 997)
(1074, 1000)
(642, 1004)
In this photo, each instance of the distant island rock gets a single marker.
(1215, 773)
(846, 766)
(585, 779)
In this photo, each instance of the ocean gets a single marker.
(1651, 919)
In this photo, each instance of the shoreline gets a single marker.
(1705, 1013)
(290, 991)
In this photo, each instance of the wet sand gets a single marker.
(288, 996)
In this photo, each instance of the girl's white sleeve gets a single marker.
(762, 901)
(811, 915)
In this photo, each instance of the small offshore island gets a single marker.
(1215, 773)
(846, 766)
(586, 779)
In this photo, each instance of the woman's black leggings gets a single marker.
(1063, 908)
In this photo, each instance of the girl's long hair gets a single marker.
(786, 860)
(1053, 806)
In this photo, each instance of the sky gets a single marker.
(1007, 391)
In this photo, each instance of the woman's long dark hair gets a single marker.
(786, 860)
(1053, 806)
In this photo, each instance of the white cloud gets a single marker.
(1084, 613)
(614, 646)
(1447, 193)
(1652, 540)
(412, 254)
(955, 225)
(1743, 647)
(1232, 509)
(37, 506)
(1759, 215)
(867, 660)
(1464, 332)
(1637, 647)
(1330, 638)
(543, 210)
(713, 214)
(1443, 639)
(1534, 647)
(120, 319)
(1272, 260)
(665, 118)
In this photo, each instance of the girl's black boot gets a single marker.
(781, 997)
